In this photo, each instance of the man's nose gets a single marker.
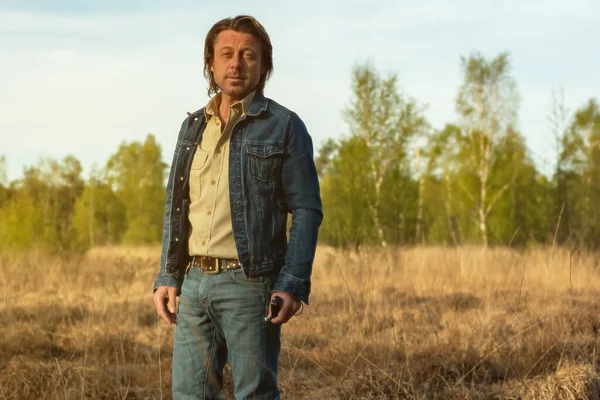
(236, 61)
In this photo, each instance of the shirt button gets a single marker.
(210, 212)
(219, 151)
(203, 243)
(218, 122)
(213, 182)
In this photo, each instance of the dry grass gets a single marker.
(426, 323)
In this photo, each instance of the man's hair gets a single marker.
(244, 24)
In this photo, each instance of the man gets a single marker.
(241, 164)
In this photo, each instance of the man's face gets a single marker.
(236, 64)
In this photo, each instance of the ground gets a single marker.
(418, 323)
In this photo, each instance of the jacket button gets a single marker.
(196, 119)
(188, 148)
(177, 209)
(177, 239)
(181, 178)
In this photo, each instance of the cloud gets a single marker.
(82, 78)
(87, 7)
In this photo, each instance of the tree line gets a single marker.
(395, 179)
(392, 179)
(51, 208)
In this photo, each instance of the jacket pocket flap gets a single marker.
(264, 150)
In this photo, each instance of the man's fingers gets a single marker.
(282, 318)
(284, 315)
(172, 300)
(163, 297)
(290, 306)
(161, 308)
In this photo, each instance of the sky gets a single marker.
(82, 76)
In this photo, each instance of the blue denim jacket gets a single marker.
(271, 173)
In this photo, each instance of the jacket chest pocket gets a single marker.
(264, 160)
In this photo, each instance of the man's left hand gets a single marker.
(290, 306)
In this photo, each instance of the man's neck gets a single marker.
(226, 102)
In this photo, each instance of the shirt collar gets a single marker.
(212, 108)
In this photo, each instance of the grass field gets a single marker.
(423, 323)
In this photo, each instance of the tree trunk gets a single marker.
(482, 208)
(92, 213)
(448, 208)
(419, 231)
(374, 207)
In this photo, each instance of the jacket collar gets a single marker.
(259, 104)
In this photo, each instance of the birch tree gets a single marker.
(387, 121)
(558, 121)
(487, 103)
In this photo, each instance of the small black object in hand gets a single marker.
(276, 303)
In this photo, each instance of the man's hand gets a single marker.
(290, 306)
(166, 295)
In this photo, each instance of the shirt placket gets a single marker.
(219, 151)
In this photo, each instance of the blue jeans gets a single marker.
(221, 317)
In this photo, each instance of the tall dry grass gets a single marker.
(424, 323)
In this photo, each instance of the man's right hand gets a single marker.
(163, 297)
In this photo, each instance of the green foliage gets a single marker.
(443, 193)
(518, 215)
(346, 189)
(20, 219)
(477, 183)
(391, 179)
(136, 174)
(52, 209)
(487, 104)
(100, 218)
(488, 98)
(40, 206)
(579, 177)
(368, 193)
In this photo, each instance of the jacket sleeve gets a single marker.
(302, 195)
(169, 276)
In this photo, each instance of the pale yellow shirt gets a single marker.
(211, 233)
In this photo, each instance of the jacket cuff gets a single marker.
(165, 279)
(293, 286)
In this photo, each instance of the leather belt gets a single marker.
(211, 265)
